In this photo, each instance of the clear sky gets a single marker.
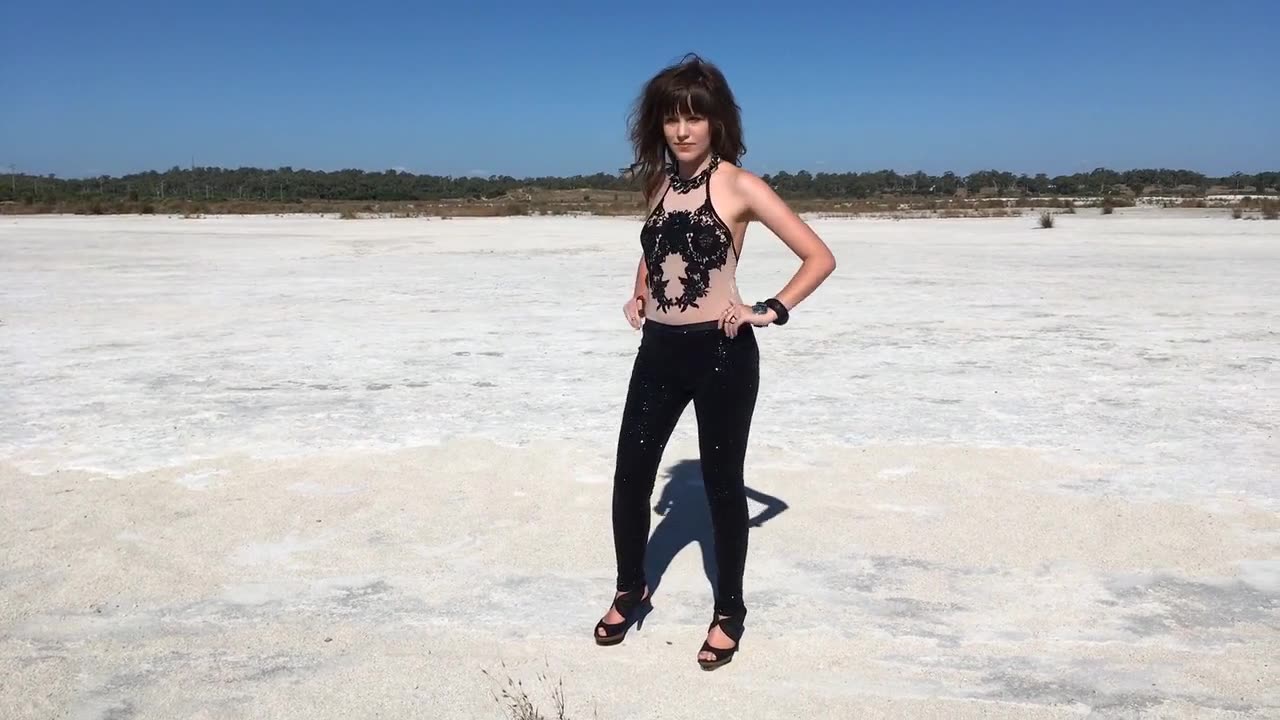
(531, 88)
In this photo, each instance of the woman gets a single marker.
(698, 343)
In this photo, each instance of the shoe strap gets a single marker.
(627, 601)
(731, 626)
(717, 653)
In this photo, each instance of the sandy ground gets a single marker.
(304, 467)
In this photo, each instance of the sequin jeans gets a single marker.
(674, 365)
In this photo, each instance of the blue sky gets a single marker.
(531, 88)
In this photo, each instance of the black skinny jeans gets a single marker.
(676, 364)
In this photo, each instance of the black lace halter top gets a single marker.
(692, 245)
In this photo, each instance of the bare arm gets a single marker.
(816, 259)
(642, 277)
(642, 271)
(633, 308)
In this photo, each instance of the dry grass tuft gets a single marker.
(1046, 220)
(515, 700)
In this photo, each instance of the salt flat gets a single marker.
(306, 467)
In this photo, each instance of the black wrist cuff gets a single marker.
(777, 306)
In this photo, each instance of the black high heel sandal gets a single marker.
(731, 626)
(632, 606)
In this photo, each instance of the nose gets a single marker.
(682, 129)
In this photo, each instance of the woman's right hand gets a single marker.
(633, 309)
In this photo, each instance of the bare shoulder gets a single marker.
(652, 200)
(734, 187)
(760, 203)
(745, 182)
(750, 188)
(753, 195)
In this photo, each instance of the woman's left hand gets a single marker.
(735, 316)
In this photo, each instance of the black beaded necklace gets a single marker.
(682, 186)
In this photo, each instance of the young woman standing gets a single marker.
(698, 342)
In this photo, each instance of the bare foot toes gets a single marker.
(718, 640)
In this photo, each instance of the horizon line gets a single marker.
(13, 169)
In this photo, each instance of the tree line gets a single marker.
(289, 185)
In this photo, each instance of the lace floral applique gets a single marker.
(698, 238)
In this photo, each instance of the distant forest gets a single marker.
(289, 185)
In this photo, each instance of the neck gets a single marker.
(693, 167)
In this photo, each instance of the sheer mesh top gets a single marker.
(689, 254)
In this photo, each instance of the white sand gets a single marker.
(303, 467)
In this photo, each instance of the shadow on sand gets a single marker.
(687, 519)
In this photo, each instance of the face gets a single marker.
(688, 135)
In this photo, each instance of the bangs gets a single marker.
(681, 99)
(691, 87)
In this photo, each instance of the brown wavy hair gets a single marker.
(691, 86)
